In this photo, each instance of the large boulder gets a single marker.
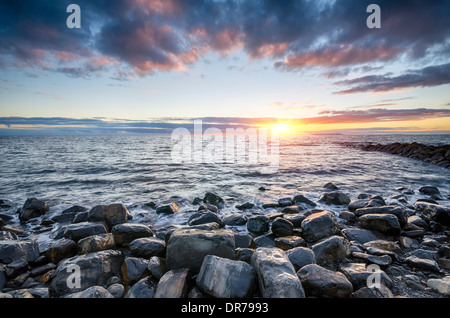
(79, 231)
(318, 281)
(187, 247)
(331, 250)
(33, 208)
(93, 269)
(319, 225)
(148, 246)
(13, 250)
(111, 214)
(134, 269)
(258, 224)
(384, 223)
(361, 235)
(61, 249)
(174, 284)
(282, 227)
(124, 234)
(276, 274)
(433, 212)
(301, 256)
(429, 190)
(225, 278)
(213, 199)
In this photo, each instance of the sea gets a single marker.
(137, 169)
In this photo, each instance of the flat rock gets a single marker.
(79, 231)
(124, 234)
(361, 235)
(13, 250)
(384, 223)
(399, 212)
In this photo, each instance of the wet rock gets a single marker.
(429, 190)
(94, 268)
(382, 247)
(96, 243)
(379, 291)
(147, 247)
(80, 217)
(276, 275)
(282, 227)
(79, 231)
(294, 209)
(188, 247)
(204, 217)
(335, 198)
(69, 214)
(197, 201)
(331, 250)
(319, 225)
(245, 206)
(116, 290)
(157, 267)
(422, 263)
(383, 260)
(318, 281)
(145, 288)
(258, 224)
(301, 256)
(416, 221)
(235, 219)
(348, 216)
(399, 212)
(288, 242)
(15, 268)
(124, 234)
(213, 199)
(295, 219)
(33, 208)
(385, 223)
(243, 240)
(225, 278)
(244, 254)
(61, 249)
(442, 286)
(167, 209)
(269, 205)
(13, 250)
(208, 207)
(358, 274)
(299, 199)
(331, 186)
(173, 284)
(283, 202)
(265, 240)
(134, 269)
(433, 212)
(111, 214)
(91, 292)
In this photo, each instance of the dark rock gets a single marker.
(94, 268)
(133, 270)
(301, 256)
(204, 217)
(14, 250)
(295, 219)
(43, 269)
(335, 198)
(91, 292)
(243, 240)
(111, 215)
(174, 284)
(358, 274)
(225, 278)
(167, 209)
(258, 224)
(96, 243)
(429, 190)
(348, 216)
(294, 209)
(399, 212)
(151, 205)
(433, 212)
(318, 281)
(208, 207)
(283, 202)
(319, 225)
(331, 250)
(282, 227)
(265, 240)
(79, 231)
(244, 254)
(145, 288)
(188, 247)
(213, 199)
(116, 290)
(380, 291)
(298, 199)
(61, 249)
(197, 201)
(147, 247)
(157, 267)
(235, 219)
(33, 208)
(15, 268)
(383, 260)
(276, 275)
(245, 206)
(422, 263)
(385, 223)
(287, 242)
(69, 214)
(269, 205)
(124, 234)
(331, 186)
(80, 217)
(358, 204)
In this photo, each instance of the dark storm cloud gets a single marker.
(163, 35)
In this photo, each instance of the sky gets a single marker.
(145, 66)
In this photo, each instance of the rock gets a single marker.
(301, 256)
(442, 286)
(33, 208)
(265, 240)
(319, 225)
(225, 278)
(111, 215)
(335, 198)
(383, 260)
(429, 190)
(91, 292)
(43, 269)
(399, 212)
(331, 250)
(208, 207)
(69, 214)
(197, 201)
(188, 247)
(2, 277)
(380, 291)
(295, 219)
(288, 242)
(243, 240)
(213, 199)
(124, 234)
(173, 284)
(96, 243)
(157, 267)
(204, 217)
(422, 263)
(80, 217)
(245, 206)
(433, 212)
(147, 247)
(282, 227)
(348, 216)
(269, 205)
(276, 275)
(385, 223)
(79, 231)
(331, 186)
(293, 209)
(145, 288)
(283, 202)
(298, 199)
(116, 290)
(61, 249)
(244, 254)
(235, 219)
(167, 209)
(15, 268)
(417, 221)
(5, 295)
(133, 270)
(94, 269)
(318, 281)
(359, 274)
(13, 250)
(382, 247)
(258, 224)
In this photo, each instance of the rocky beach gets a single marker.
(362, 247)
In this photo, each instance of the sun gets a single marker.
(283, 128)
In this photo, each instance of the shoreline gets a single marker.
(117, 257)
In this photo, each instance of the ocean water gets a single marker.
(134, 170)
